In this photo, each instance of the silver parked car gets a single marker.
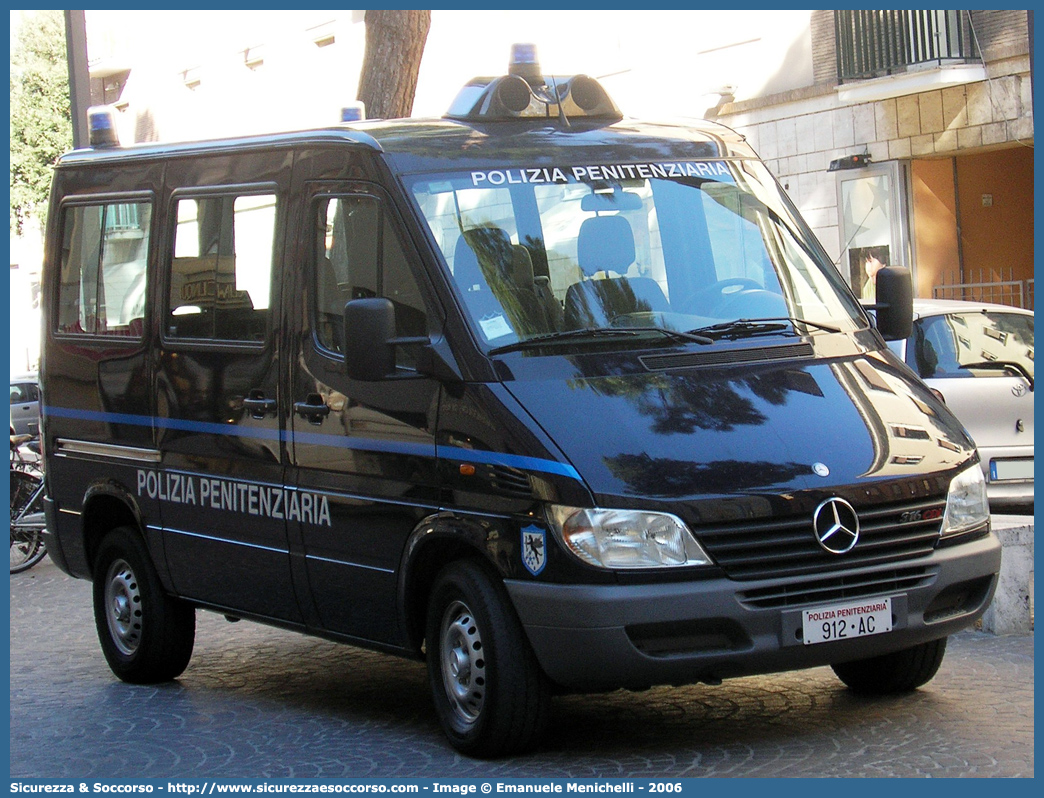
(979, 356)
(25, 405)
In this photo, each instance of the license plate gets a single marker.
(846, 621)
(1001, 470)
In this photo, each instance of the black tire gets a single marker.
(490, 694)
(899, 672)
(27, 543)
(146, 635)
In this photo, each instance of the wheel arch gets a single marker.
(107, 506)
(435, 543)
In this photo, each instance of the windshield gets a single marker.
(690, 246)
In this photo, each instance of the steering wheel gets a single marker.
(705, 300)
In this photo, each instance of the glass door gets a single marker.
(873, 223)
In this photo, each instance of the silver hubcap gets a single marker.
(123, 607)
(463, 663)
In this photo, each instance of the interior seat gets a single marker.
(606, 245)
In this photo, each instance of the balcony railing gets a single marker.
(872, 44)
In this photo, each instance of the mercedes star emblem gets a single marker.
(836, 525)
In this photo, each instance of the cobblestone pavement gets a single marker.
(257, 702)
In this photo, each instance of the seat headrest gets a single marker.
(521, 266)
(466, 270)
(482, 252)
(605, 243)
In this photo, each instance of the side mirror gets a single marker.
(369, 332)
(894, 304)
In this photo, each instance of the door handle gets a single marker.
(257, 405)
(314, 409)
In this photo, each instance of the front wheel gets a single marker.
(146, 635)
(898, 672)
(490, 695)
(27, 543)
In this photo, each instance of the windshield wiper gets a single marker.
(809, 323)
(746, 328)
(597, 332)
(1007, 365)
(677, 335)
(740, 328)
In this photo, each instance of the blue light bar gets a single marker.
(523, 54)
(355, 112)
(101, 123)
(524, 64)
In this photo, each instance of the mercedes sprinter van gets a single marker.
(552, 399)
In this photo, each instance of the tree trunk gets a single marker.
(394, 46)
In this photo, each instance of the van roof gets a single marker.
(421, 145)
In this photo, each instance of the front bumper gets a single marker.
(602, 637)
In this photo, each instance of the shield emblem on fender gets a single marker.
(534, 549)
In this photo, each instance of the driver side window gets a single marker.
(359, 255)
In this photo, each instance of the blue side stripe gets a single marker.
(511, 460)
(181, 425)
(95, 415)
(520, 462)
(364, 444)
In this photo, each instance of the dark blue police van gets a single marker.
(553, 399)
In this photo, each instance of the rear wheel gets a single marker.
(27, 544)
(490, 695)
(146, 635)
(898, 672)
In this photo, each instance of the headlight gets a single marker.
(626, 538)
(966, 504)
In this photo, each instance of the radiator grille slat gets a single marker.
(772, 549)
(824, 591)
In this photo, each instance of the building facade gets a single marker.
(933, 110)
(904, 137)
(912, 143)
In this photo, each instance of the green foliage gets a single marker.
(41, 120)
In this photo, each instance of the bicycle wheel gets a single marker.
(27, 544)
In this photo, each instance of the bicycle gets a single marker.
(25, 454)
(27, 514)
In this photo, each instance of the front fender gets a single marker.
(439, 539)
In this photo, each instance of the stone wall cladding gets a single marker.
(934, 123)
(800, 132)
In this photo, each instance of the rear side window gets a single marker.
(971, 345)
(104, 252)
(221, 272)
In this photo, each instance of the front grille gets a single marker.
(838, 588)
(776, 548)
